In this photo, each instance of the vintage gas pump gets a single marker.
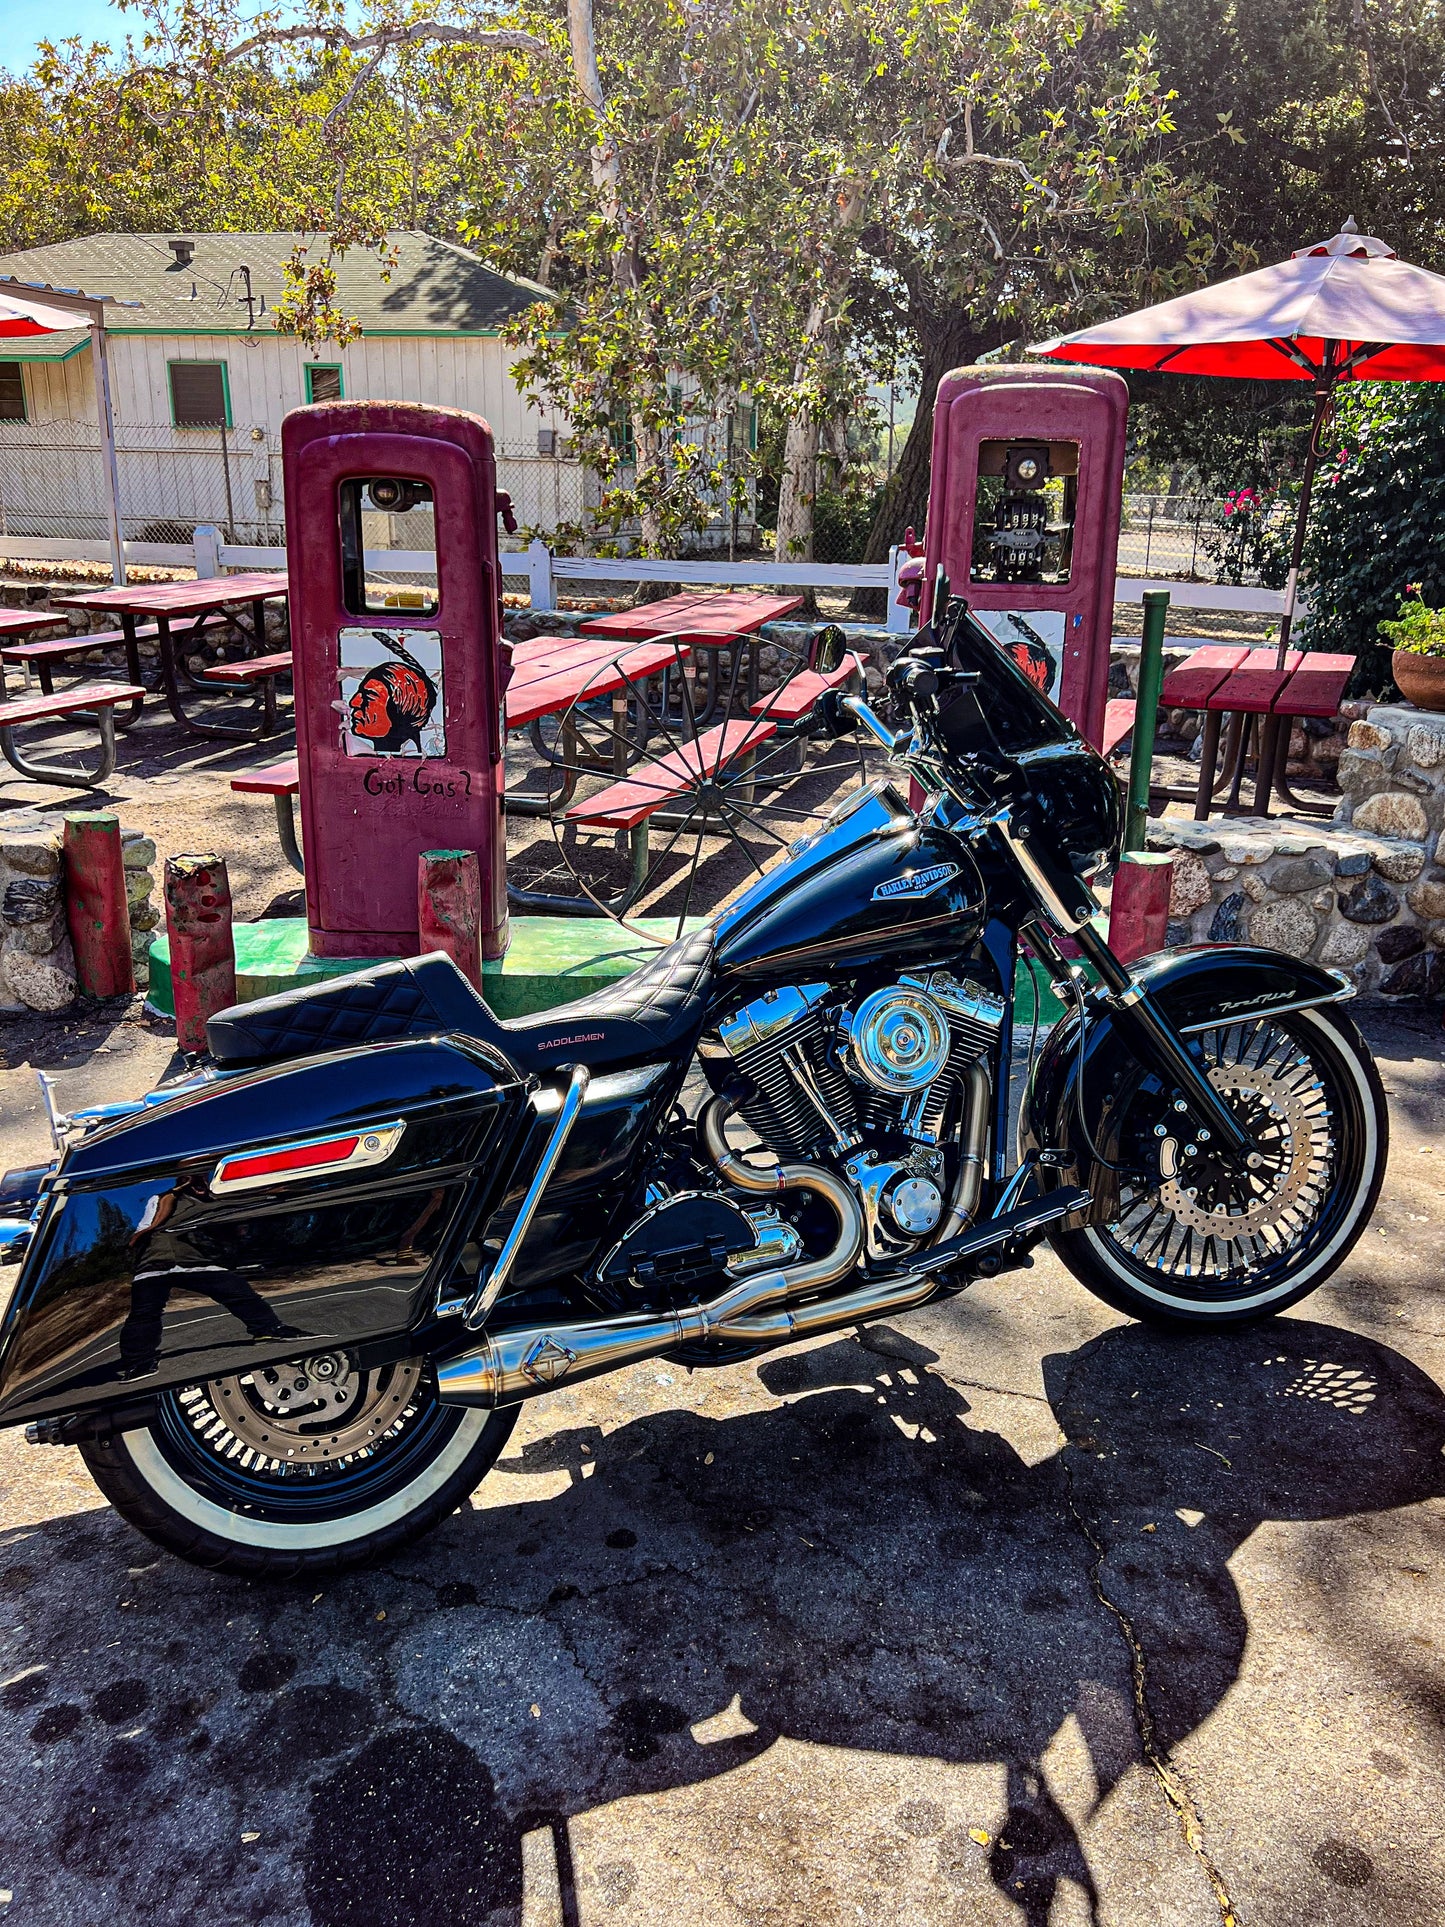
(399, 725)
(1023, 514)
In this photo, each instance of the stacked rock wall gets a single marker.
(37, 964)
(1364, 894)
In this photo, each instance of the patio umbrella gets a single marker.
(1347, 309)
(34, 308)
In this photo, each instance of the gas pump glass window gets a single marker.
(1023, 518)
(378, 513)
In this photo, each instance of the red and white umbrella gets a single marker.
(1347, 309)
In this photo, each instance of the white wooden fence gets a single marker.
(210, 556)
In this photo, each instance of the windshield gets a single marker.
(1016, 713)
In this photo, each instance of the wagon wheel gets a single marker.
(676, 781)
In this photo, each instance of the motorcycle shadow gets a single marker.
(860, 1566)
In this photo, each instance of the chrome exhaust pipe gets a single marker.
(523, 1364)
(814, 1273)
(515, 1365)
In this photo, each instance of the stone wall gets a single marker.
(37, 964)
(1365, 893)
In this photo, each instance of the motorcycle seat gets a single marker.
(656, 1012)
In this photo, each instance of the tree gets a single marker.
(1377, 513)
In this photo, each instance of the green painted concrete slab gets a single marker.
(551, 960)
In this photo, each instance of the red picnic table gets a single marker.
(1246, 686)
(192, 602)
(100, 700)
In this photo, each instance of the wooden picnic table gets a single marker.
(27, 622)
(163, 602)
(708, 615)
(715, 618)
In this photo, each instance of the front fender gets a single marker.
(1196, 988)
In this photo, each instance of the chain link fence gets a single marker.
(172, 480)
(1201, 538)
(52, 484)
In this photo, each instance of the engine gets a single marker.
(883, 1088)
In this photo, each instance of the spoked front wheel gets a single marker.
(1200, 1239)
(308, 1466)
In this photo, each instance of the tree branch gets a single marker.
(387, 39)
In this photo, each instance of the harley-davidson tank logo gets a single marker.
(918, 883)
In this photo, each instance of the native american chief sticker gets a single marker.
(391, 692)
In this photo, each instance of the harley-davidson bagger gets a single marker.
(287, 1307)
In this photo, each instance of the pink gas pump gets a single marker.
(1023, 515)
(399, 689)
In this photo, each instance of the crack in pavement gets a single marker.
(1171, 1781)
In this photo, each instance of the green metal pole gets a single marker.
(1146, 715)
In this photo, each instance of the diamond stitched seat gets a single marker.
(656, 1012)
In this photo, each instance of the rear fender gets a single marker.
(1197, 989)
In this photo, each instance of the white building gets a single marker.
(201, 380)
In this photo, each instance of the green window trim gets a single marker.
(12, 389)
(225, 392)
(314, 368)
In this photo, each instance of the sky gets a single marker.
(23, 22)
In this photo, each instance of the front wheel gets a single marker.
(1196, 1240)
(311, 1466)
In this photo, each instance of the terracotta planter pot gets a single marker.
(1420, 679)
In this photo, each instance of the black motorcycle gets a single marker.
(288, 1306)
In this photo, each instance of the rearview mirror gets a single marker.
(826, 650)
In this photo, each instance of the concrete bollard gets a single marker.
(449, 908)
(95, 904)
(1139, 908)
(203, 949)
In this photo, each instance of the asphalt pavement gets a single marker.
(1005, 1612)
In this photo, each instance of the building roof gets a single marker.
(435, 287)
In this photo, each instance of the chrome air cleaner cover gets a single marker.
(898, 1041)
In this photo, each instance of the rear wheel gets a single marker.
(310, 1466)
(1196, 1239)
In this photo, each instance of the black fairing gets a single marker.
(230, 1282)
(1073, 792)
(872, 888)
(1204, 985)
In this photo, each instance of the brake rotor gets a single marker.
(1228, 1204)
(314, 1409)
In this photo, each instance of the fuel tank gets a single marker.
(873, 887)
(312, 1204)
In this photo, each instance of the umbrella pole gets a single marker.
(101, 363)
(1323, 396)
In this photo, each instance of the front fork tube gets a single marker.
(1157, 1043)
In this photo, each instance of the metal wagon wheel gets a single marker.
(674, 788)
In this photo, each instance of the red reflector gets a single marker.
(269, 1163)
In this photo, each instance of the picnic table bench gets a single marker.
(183, 603)
(282, 782)
(99, 699)
(638, 795)
(1246, 691)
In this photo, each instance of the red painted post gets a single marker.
(95, 904)
(1139, 908)
(203, 950)
(449, 908)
